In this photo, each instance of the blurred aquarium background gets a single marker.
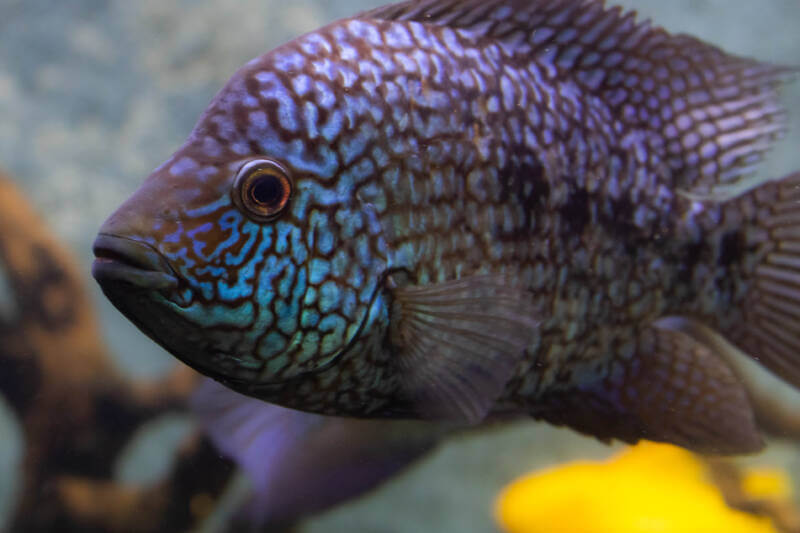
(96, 93)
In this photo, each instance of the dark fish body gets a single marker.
(464, 209)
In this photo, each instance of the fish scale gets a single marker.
(567, 174)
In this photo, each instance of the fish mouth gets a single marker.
(129, 261)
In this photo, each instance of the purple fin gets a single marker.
(670, 389)
(301, 463)
(776, 404)
(252, 432)
(766, 324)
(459, 342)
(708, 116)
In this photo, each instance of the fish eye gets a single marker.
(262, 189)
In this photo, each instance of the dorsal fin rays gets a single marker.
(467, 14)
(708, 116)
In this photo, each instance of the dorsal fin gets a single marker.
(713, 114)
(496, 18)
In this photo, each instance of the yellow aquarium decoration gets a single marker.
(766, 483)
(647, 488)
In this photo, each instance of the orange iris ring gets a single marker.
(244, 186)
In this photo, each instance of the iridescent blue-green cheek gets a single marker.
(271, 299)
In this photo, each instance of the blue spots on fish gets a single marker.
(323, 161)
(329, 297)
(318, 270)
(340, 263)
(258, 121)
(229, 222)
(282, 232)
(287, 316)
(309, 318)
(354, 145)
(220, 315)
(332, 127)
(270, 270)
(333, 328)
(310, 343)
(366, 293)
(253, 232)
(212, 271)
(355, 175)
(325, 98)
(204, 289)
(286, 282)
(310, 118)
(183, 166)
(299, 250)
(203, 228)
(208, 209)
(325, 240)
(271, 344)
(350, 222)
(289, 62)
(349, 303)
(321, 194)
(263, 320)
(311, 296)
(398, 37)
(243, 288)
(300, 285)
(273, 90)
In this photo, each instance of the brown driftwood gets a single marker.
(76, 410)
(784, 514)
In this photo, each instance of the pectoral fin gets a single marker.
(671, 389)
(457, 343)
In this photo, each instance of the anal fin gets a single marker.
(301, 463)
(776, 404)
(672, 389)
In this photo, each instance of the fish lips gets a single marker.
(126, 261)
(142, 285)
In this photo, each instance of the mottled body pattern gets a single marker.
(595, 162)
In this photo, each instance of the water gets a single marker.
(95, 93)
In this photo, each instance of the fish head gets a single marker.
(247, 253)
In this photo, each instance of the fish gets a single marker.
(478, 210)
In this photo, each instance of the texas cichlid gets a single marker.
(480, 208)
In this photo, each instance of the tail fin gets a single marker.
(767, 326)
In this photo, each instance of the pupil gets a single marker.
(267, 191)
